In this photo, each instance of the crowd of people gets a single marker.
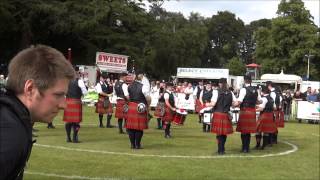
(41, 82)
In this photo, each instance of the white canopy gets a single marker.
(281, 78)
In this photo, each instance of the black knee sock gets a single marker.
(224, 139)
(76, 128)
(248, 139)
(131, 134)
(68, 130)
(120, 125)
(199, 119)
(167, 130)
(266, 140)
(109, 116)
(258, 140)
(138, 137)
(159, 123)
(100, 120)
(243, 141)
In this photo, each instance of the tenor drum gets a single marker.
(179, 117)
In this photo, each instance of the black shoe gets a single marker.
(139, 147)
(101, 126)
(69, 140)
(110, 126)
(34, 135)
(133, 147)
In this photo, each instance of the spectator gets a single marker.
(312, 97)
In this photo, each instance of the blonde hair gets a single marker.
(42, 64)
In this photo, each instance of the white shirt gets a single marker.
(215, 94)
(166, 95)
(146, 86)
(82, 87)
(273, 96)
(243, 94)
(99, 88)
(264, 101)
(195, 91)
(188, 90)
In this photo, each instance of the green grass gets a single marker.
(188, 140)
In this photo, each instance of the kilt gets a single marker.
(136, 120)
(119, 109)
(168, 115)
(160, 107)
(247, 120)
(221, 125)
(279, 118)
(100, 106)
(266, 124)
(198, 106)
(73, 111)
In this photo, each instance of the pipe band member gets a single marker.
(170, 109)
(104, 106)
(265, 124)
(121, 91)
(72, 115)
(222, 99)
(248, 97)
(137, 115)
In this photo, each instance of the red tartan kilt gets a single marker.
(119, 109)
(100, 106)
(266, 124)
(168, 115)
(221, 124)
(279, 118)
(179, 119)
(136, 120)
(247, 121)
(199, 106)
(157, 111)
(73, 111)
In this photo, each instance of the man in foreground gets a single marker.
(36, 89)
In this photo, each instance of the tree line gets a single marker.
(159, 41)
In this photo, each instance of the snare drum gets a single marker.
(179, 117)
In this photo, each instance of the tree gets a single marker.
(236, 67)
(225, 32)
(291, 36)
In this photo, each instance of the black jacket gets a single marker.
(15, 137)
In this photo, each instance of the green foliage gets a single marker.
(236, 67)
(291, 36)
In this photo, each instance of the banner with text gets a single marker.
(114, 63)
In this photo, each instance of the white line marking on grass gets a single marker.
(294, 149)
(68, 177)
(315, 135)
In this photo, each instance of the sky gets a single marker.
(246, 10)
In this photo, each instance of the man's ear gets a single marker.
(29, 88)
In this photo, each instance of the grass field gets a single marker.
(190, 154)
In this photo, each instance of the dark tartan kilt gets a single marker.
(266, 124)
(157, 111)
(73, 111)
(136, 120)
(279, 118)
(100, 106)
(199, 106)
(221, 124)
(119, 109)
(247, 120)
(168, 115)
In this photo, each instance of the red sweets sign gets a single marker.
(111, 62)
